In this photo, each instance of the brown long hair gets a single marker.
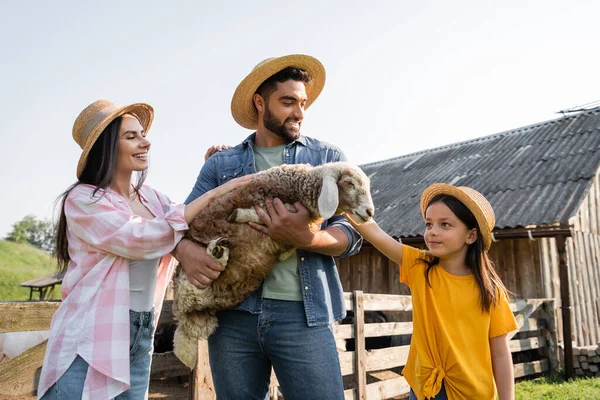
(99, 171)
(477, 260)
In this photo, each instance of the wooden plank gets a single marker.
(589, 288)
(201, 385)
(382, 302)
(526, 344)
(347, 362)
(26, 316)
(387, 389)
(574, 293)
(359, 354)
(167, 365)
(531, 325)
(384, 375)
(346, 331)
(390, 357)
(19, 376)
(530, 368)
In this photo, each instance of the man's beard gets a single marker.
(280, 129)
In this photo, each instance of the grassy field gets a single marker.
(555, 388)
(20, 263)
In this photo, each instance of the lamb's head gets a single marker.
(345, 189)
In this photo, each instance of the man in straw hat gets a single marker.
(286, 323)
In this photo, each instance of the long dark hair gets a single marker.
(99, 171)
(477, 260)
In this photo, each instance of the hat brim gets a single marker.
(142, 111)
(472, 199)
(242, 105)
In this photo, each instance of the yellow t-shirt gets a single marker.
(451, 333)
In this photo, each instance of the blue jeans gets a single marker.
(141, 330)
(245, 346)
(440, 396)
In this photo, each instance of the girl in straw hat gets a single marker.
(461, 315)
(114, 241)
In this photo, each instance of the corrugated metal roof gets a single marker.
(534, 175)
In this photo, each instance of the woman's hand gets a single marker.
(215, 149)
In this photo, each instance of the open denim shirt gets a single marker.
(321, 287)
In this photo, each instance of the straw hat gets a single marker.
(242, 106)
(92, 121)
(472, 199)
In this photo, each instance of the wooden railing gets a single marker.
(368, 374)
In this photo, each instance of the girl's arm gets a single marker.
(383, 242)
(193, 208)
(503, 367)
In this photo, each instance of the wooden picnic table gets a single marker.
(43, 285)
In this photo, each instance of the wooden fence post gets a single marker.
(201, 384)
(359, 338)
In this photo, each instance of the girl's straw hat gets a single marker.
(92, 121)
(472, 199)
(242, 106)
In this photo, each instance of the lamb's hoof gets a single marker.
(220, 247)
(233, 216)
(218, 250)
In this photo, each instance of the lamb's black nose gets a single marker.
(370, 212)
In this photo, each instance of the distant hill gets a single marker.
(20, 263)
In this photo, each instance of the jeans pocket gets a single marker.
(135, 332)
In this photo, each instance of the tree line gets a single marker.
(36, 232)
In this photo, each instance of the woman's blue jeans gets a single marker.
(245, 346)
(70, 385)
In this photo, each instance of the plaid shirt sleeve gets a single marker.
(115, 230)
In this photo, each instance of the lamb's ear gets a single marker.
(328, 199)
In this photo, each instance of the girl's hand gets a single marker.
(215, 149)
(229, 186)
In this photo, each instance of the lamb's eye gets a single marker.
(348, 184)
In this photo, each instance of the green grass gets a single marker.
(555, 388)
(20, 263)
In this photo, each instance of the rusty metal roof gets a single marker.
(534, 175)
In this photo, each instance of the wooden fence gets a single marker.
(368, 374)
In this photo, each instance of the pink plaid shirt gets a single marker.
(93, 318)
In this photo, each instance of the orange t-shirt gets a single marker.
(451, 333)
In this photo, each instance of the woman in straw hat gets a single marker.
(461, 315)
(114, 241)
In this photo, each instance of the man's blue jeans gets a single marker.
(245, 346)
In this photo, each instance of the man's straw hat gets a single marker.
(472, 199)
(242, 106)
(92, 121)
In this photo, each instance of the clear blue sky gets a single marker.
(402, 76)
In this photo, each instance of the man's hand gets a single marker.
(200, 269)
(285, 226)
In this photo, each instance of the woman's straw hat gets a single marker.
(92, 121)
(242, 106)
(472, 199)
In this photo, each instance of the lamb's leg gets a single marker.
(194, 326)
(245, 215)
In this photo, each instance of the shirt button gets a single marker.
(305, 287)
(301, 258)
(224, 176)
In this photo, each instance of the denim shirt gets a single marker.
(322, 292)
